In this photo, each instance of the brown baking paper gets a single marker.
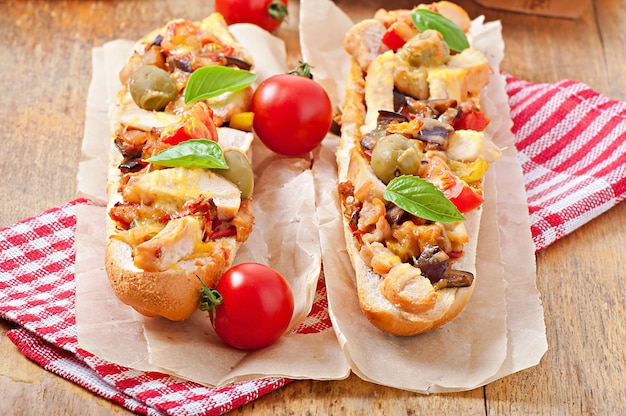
(501, 331)
(285, 237)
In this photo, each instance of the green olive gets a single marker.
(239, 171)
(395, 155)
(152, 88)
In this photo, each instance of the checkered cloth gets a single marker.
(37, 292)
(571, 143)
(571, 147)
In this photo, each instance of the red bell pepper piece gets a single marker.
(197, 123)
(392, 39)
(472, 120)
(226, 232)
(180, 135)
(463, 197)
(398, 33)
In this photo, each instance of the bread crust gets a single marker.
(172, 294)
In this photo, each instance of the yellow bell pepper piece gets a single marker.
(469, 171)
(242, 121)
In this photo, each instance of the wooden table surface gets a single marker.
(45, 71)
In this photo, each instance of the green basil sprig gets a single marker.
(199, 153)
(211, 81)
(421, 198)
(452, 34)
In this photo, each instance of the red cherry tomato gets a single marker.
(292, 114)
(254, 306)
(268, 14)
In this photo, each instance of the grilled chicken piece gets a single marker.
(477, 67)
(405, 287)
(379, 86)
(411, 81)
(366, 185)
(175, 242)
(364, 43)
(448, 84)
(453, 12)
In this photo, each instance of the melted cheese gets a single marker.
(169, 189)
(469, 145)
(146, 120)
(447, 83)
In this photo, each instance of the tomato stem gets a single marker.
(303, 70)
(277, 11)
(209, 299)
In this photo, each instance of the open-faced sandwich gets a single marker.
(179, 184)
(412, 157)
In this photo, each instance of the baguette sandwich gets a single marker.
(411, 161)
(179, 182)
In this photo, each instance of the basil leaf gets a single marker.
(421, 198)
(452, 34)
(198, 153)
(211, 81)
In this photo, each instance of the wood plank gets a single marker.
(47, 48)
(580, 279)
(611, 26)
(354, 396)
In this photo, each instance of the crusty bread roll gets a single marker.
(172, 293)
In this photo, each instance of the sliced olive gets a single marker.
(395, 155)
(239, 171)
(152, 88)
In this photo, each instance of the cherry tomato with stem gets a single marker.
(250, 307)
(292, 112)
(268, 14)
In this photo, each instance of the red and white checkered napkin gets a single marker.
(37, 291)
(571, 143)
